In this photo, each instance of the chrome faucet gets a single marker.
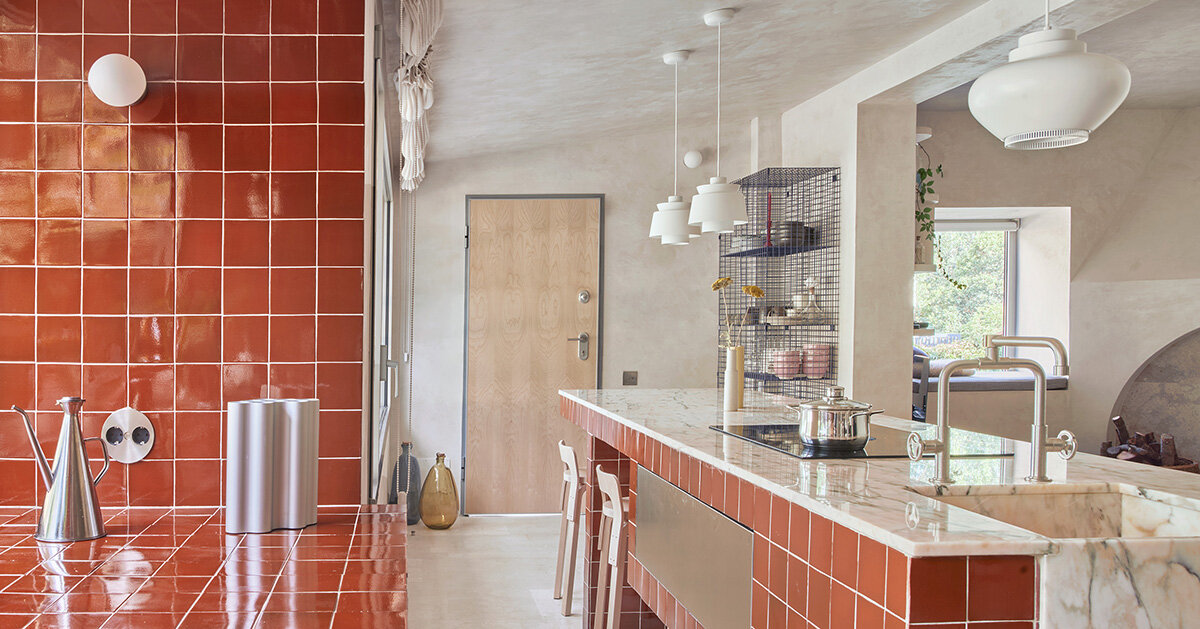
(1065, 444)
(993, 342)
(939, 445)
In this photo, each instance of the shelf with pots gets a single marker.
(789, 247)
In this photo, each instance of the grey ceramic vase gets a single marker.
(407, 479)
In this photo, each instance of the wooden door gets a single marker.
(528, 260)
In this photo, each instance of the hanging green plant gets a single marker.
(924, 214)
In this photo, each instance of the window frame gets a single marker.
(1011, 228)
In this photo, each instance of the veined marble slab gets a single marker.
(871, 496)
(1078, 511)
(1136, 583)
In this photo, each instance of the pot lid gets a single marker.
(835, 400)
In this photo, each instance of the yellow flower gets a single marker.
(721, 282)
(753, 291)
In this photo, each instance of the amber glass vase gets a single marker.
(439, 496)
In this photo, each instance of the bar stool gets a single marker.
(609, 583)
(572, 503)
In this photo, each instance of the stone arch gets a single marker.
(1163, 394)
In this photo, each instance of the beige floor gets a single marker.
(493, 572)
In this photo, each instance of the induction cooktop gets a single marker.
(885, 442)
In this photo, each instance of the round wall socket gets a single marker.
(128, 435)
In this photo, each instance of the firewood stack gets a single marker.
(1146, 447)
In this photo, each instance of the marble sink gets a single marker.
(1111, 543)
(1077, 511)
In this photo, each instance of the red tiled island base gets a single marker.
(807, 570)
(177, 568)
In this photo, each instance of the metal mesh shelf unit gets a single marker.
(783, 356)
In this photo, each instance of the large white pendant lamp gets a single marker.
(1052, 92)
(719, 206)
(670, 222)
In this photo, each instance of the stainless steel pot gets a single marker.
(834, 422)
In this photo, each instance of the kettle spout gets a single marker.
(43, 466)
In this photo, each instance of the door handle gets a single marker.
(582, 339)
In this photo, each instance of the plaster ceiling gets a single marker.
(517, 74)
(1161, 45)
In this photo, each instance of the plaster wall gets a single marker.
(846, 126)
(766, 147)
(1134, 268)
(825, 133)
(1043, 278)
(831, 129)
(659, 314)
(883, 335)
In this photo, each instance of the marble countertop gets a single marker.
(870, 496)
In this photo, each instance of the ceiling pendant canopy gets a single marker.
(719, 206)
(670, 221)
(1052, 92)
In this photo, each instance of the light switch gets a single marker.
(629, 378)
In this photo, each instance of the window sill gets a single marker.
(998, 381)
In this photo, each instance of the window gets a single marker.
(979, 255)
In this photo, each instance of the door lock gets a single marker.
(582, 339)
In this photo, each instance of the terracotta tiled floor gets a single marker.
(178, 568)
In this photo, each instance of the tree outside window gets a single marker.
(960, 318)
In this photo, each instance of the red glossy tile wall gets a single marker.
(201, 246)
(807, 570)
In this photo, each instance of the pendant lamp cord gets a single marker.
(1047, 14)
(675, 146)
(718, 100)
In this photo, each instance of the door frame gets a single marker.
(599, 353)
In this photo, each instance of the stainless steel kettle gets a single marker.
(71, 512)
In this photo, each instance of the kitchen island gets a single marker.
(869, 543)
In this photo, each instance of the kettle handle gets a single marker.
(104, 449)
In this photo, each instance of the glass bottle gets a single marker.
(407, 480)
(439, 496)
(812, 313)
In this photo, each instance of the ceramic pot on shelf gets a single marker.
(817, 359)
(787, 364)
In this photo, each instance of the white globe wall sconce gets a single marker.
(117, 80)
(693, 159)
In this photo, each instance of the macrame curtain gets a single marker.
(419, 23)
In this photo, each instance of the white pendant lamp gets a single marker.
(1052, 92)
(670, 222)
(719, 206)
